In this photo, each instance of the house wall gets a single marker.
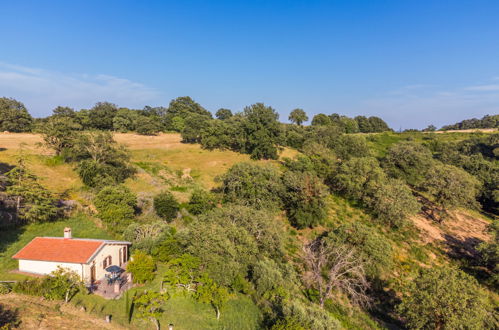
(47, 267)
(108, 250)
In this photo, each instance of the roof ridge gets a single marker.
(86, 239)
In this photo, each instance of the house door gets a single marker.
(121, 256)
(125, 254)
(92, 274)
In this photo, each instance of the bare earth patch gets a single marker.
(460, 233)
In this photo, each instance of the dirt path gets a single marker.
(36, 313)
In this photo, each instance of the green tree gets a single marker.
(201, 201)
(149, 305)
(183, 272)
(212, 293)
(102, 161)
(489, 254)
(13, 116)
(430, 128)
(101, 116)
(34, 203)
(125, 120)
(225, 248)
(348, 146)
(321, 120)
(350, 125)
(142, 267)
(193, 126)
(166, 206)
(378, 125)
(393, 203)
(262, 129)
(364, 124)
(298, 116)
(371, 247)
(147, 125)
(64, 112)
(252, 184)
(64, 284)
(409, 161)
(116, 207)
(260, 224)
(304, 199)
(443, 298)
(59, 133)
(223, 114)
(181, 108)
(450, 186)
(359, 178)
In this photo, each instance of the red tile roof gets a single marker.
(59, 249)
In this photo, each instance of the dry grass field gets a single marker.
(158, 158)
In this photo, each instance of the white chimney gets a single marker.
(67, 232)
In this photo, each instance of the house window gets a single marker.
(107, 262)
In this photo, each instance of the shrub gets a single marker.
(444, 298)
(5, 288)
(304, 199)
(201, 201)
(371, 247)
(147, 125)
(251, 184)
(166, 205)
(116, 206)
(394, 202)
(408, 161)
(142, 267)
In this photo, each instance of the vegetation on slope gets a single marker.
(332, 237)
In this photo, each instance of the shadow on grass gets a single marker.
(383, 306)
(8, 318)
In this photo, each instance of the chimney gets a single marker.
(67, 233)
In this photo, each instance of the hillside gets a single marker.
(164, 163)
(35, 313)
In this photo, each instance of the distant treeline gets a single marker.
(255, 131)
(486, 122)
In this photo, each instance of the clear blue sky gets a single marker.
(411, 62)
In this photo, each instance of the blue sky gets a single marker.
(412, 63)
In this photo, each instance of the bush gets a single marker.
(251, 184)
(444, 298)
(116, 206)
(371, 247)
(13, 116)
(166, 205)
(5, 288)
(304, 199)
(142, 267)
(408, 161)
(147, 236)
(201, 201)
(62, 284)
(102, 160)
(147, 125)
(394, 202)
